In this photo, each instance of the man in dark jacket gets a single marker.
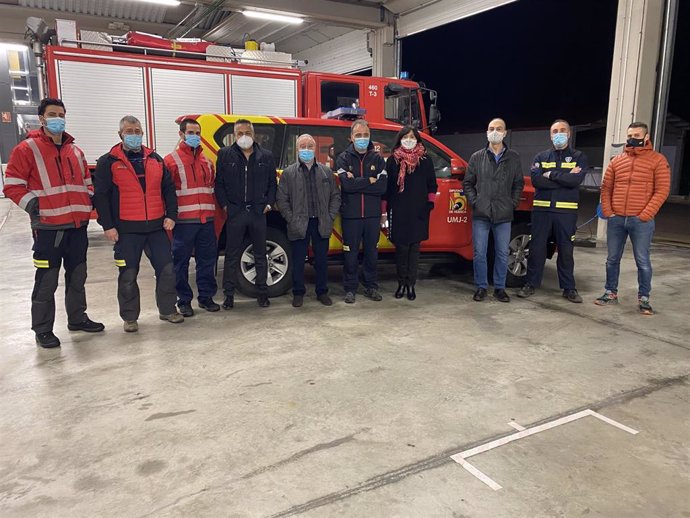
(136, 203)
(363, 181)
(309, 199)
(246, 190)
(556, 175)
(493, 185)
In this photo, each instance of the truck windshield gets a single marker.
(402, 105)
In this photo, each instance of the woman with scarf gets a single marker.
(408, 202)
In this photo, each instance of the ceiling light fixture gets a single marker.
(274, 17)
(170, 3)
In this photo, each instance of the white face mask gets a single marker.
(408, 143)
(495, 137)
(245, 141)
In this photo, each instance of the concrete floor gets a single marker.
(348, 411)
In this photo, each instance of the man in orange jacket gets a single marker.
(47, 176)
(635, 186)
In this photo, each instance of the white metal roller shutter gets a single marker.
(345, 54)
(179, 92)
(97, 96)
(442, 12)
(263, 96)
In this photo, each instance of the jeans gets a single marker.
(319, 246)
(198, 239)
(480, 241)
(640, 232)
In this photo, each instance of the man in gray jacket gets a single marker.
(309, 200)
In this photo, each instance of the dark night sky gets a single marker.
(529, 62)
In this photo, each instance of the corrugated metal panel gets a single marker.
(123, 9)
(442, 12)
(170, 101)
(263, 96)
(97, 96)
(343, 55)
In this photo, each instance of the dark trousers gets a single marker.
(246, 222)
(198, 239)
(51, 248)
(563, 227)
(319, 246)
(128, 249)
(407, 263)
(365, 231)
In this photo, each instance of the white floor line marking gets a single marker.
(481, 476)
(526, 432)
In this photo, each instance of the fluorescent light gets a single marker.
(171, 3)
(12, 46)
(274, 17)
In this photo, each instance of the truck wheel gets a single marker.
(518, 254)
(279, 277)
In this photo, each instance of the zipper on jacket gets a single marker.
(246, 201)
(627, 191)
(59, 167)
(361, 174)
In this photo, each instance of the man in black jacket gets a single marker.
(246, 189)
(493, 185)
(362, 181)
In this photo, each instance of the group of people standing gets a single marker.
(141, 197)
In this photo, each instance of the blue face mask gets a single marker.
(55, 125)
(193, 141)
(361, 144)
(306, 155)
(132, 141)
(560, 140)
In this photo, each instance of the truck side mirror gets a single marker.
(434, 117)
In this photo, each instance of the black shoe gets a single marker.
(297, 301)
(229, 302)
(373, 294)
(572, 296)
(411, 295)
(208, 305)
(400, 292)
(526, 291)
(324, 299)
(86, 325)
(47, 340)
(501, 295)
(262, 301)
(185, 309)
(480, 294)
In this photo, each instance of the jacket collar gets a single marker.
(351, 149)
(187, 150)
(40, 134)
(118, 152)
(639, 150)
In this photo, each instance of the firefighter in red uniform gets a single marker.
(136, 203)
(47, 176)
(194, 177)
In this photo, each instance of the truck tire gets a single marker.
(518, 252)
(279, 265)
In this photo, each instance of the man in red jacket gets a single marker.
(635, 186)
(47, 176)
(136, 203)
(194, 178)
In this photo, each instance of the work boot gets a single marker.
(185, 309)
(526, 291)
(411, 294)
(501, 295)
(373, 294)
(324, 299)
(480, 294)
(131, 326)
(262, 301)
(87, 325)
(572, 296)
(47, 340)
(400, 292)
(209, 305)
(645, 307)
(229, 302)
(173, 318)
(297, 301)
(609, 298)
(350, 297)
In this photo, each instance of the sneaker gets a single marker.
(173, 318)
(209, 305)
(645, 307)
(47, 340)
(324, 299)
(373, 294)
(607, 299)
(480, 294)
(526, 291)
(297, 301)
(350, 297)
(131, 326)
(262, 301)
(229, 302)
(501, 295)
(87, 325)
(185, 309)
(572, 296)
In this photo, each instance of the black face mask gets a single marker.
(635, 142)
